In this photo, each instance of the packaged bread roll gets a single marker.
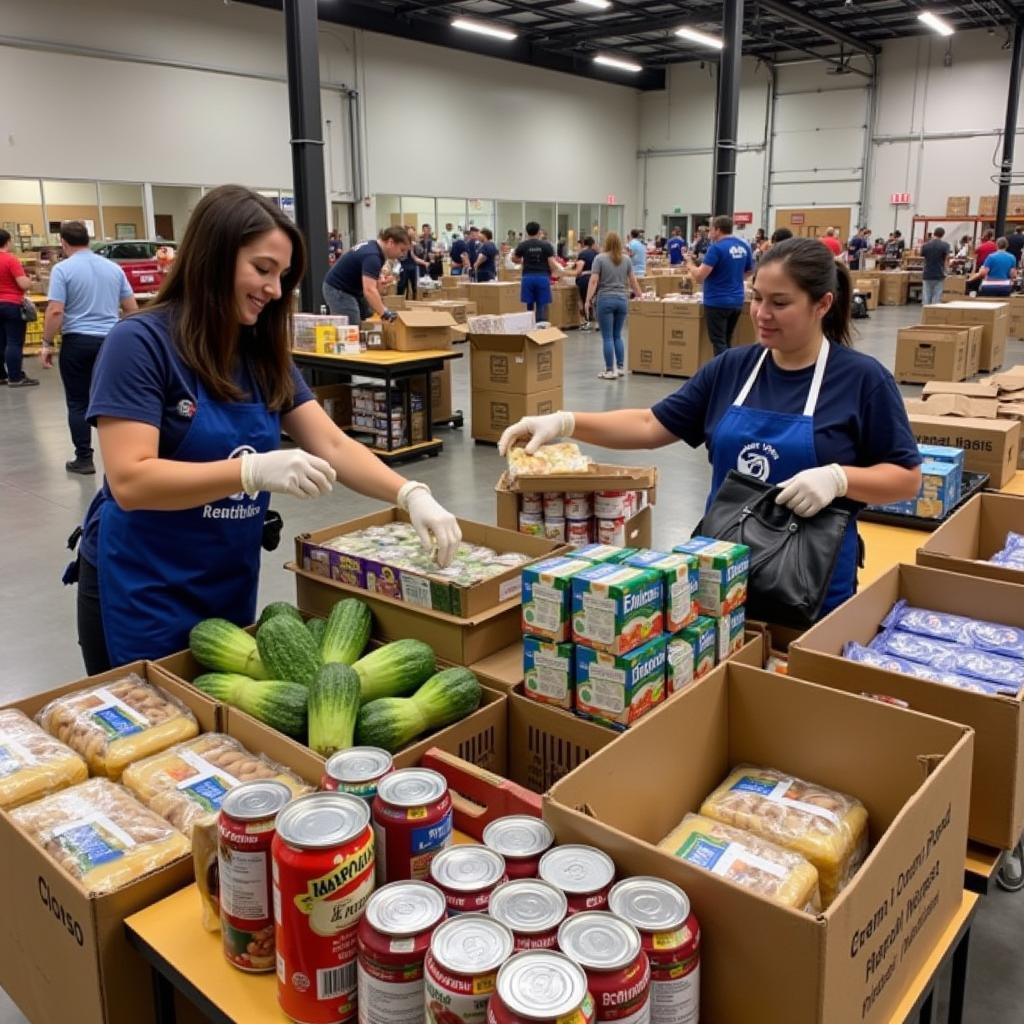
(100, 834)
(754, 863)
(33, 763)
(830, 829)
(117, 723)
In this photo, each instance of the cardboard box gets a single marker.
(997, 792)
(517, 364)
(660, 284)
(440, 392)
(958, 206)
(646, 339)
(503, 670)
(565, 306)
(417, 330)
(923, 355)
(495, 297)
(687, 346)
(868, 287)
(493, 411)
(973, 333)
(912, 773)
(953, 286)
(895, 285)
(987, 206)
(990, 446)
(993, 316)
(510, 273)
(459, 309)
(455, 292)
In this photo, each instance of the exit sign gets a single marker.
(610, 199)
(899, 199)
(742, 219)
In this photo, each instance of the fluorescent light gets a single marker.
(484, 30)
(602, 4)
(700, 37)
(613, 62)
(934, 22)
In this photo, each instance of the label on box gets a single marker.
(725, 858)
(510, 589)
(776, 792)
(547, 607)
(13, 757)
(599, 616)
(92, 840)
(416, 590)
(209, 785)
(116, 718)
(551, 674)
(607, 688)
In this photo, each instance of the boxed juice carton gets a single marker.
(724, 571)
(549, 671)
(598, 553)
(547, 597)
(617, 689)
(702, 638)
(678, 664)
(616, 608)
(729, 630)
(944, 453)
(680, 575)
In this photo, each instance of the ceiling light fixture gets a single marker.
(614, 62)
(484, 30)
(601, 4)
(700, 37)
(935, 23)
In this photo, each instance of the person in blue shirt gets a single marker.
(701, 242)
(459, 256)
(726, 265)
(473, 242)
(802, 410)
(536, 255)
(582, 267)
(351, 286)
(485, 266)
(637, 252)
(189, 399)
(998, 272)
(676, 246)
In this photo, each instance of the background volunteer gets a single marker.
(612, 280)
(350, 287)
(485, 266)
(998, 272)
(936, 257)
(581, 268)
(676, 246)
(14, 283)
(726, 265)
(537, 256)
(637, 252)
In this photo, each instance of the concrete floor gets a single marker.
(40, 504)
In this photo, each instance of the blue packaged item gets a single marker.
(983, 636)
(946, 453)
(891, 663)
(1012, 553)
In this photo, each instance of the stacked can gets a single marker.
(541, 987)
(611, 510)
(521, 839)
(412, 823)
(584, 873)
(531, 514)
(532, 910)
(467, 874)
(580, 517)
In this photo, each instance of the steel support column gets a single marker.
(727, 119)
(307, 143)
(1009, 129)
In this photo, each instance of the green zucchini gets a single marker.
(275, 702)
(288, 650)
(279, 608)
(316, 629)
(225, 647)
(395, 669)
(333, 706)
(347, 632)
(393, 722)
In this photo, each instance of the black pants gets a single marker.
(12, 340)
(407, 283)
(90, 620)
(78, 354)
(721, 321)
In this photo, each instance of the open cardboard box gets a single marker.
(997, 794)
(503, 670)
(760, 961)
(418, 330)
(990, 445)
(517, 364)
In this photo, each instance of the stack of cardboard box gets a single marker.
(495, 297)
(958, 206)
(565, 305)
(947, 352)
(994, 316)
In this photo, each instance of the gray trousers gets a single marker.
(931, 292)
(343, 304)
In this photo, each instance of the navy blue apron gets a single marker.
(774, 446)
(161, 572)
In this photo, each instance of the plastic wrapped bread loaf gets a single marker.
(117, 723)
(563, 457)
(758, 865)
(830, 829)
(33, 763)
(100, 834)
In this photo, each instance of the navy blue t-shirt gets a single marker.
(140, 376)
(731, 259)
(586, 257)
(459, 246)
(860, 419)
(489, 251)
(364, 260)
(676, 245)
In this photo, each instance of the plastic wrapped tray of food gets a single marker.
(549, 459)
(33, 763)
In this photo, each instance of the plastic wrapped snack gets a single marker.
(891, 663)
(830, 829)
(117, 723)
(985, 636)
(33, 763)
(564, 457)
(100, 834)
(756, 864)
(205, 839)
(188, 782)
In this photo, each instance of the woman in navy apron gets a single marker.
(801, 410)
(190, 397)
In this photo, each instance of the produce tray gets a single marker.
(971, 485)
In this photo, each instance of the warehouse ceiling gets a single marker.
(566, 35)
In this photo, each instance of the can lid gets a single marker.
(471, 944)
(412, 787)
(358, 764)
(577, 869)
(467, 868)
(405, 908)
(529, 906)
(599, 940)
(518, 835)
(319, 820)
(541, 984)
(254, 801)
(651, 904)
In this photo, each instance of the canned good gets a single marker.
(579, 505)
(323, 878)
(462, 966)
(618, 972)
(533, 910)
(554, 529)
(578, 531)
(540, 986)
(412, 822)
(531, 503)
(467, 875)
(611, 504)
(521, 839)
(554, 505)
(357, 771)
(393, 939)
(531, 523)
(670, 936)
(245, 831)
(583, 873)
(611, 531)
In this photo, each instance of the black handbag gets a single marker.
(29, 312)
(792, 558)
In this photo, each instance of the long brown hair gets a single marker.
(613, 246)
(199, 294)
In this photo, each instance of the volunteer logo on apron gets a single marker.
(756, 458)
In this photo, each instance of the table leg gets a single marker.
(163, 999)
(925, 1016)
(428, 406)
(387, 407)
(958, 979)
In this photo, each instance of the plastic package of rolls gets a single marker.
(830, 829)
(117, 723)
(33, 763)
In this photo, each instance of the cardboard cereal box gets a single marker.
(616, 608)
(616, 690)
(547, 597)
(549, 671)
(724, 570)
(681, 577)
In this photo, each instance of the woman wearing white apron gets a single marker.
(801, 410)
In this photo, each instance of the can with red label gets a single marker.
(462, 967)
(521, 839)
(541, 987)
(554, 505)
(579, 531)
(531, 523)
(245, 831)
(531, 503)
(611, 504)
(579, 505)
(583, 873)
(554, 529)
(612, 531)
(670, 935)
(357, 771)
(412, 822)
(323, 878)
(618, 972)
(467, 874)
(533, 910)
(393, 939)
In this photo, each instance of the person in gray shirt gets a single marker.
(612, 280)
(936, 256)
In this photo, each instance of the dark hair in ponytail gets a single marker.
(816, 273)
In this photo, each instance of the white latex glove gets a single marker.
(539, 429)
(809, 492)
(437, 528)
(288, 471)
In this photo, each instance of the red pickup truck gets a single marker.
(143, 262)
